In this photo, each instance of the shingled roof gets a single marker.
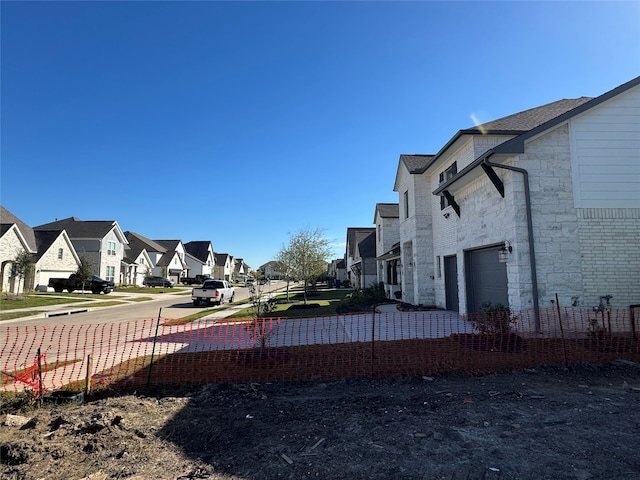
(528, 119)
(138, 242)
(416, 163)
(355, 235)
(387, 210)
(8, 219)
(77, 228)
(198, 249)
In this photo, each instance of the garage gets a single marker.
(486, 278)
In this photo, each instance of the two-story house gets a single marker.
(101, 242)
(223, 268)
(136, 264)
(200, 258)
(415, 230)
(361, 257)
(386, 219)
(541, 203)
(52, 254)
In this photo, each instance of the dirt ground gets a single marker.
(547, 423)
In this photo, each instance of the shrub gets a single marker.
(494, 319)
(364, 298)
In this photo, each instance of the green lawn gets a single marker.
(322, 302)
(12, 302)
(22, 313)
(327, 302)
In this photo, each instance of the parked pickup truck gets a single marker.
(212, 291)
(197, 280)
(95, 285)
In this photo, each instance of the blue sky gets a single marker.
(244, 122)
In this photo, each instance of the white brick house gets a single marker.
(574, 234)
(386, 220)
(361, 266)
(52, 252)
(416, 238)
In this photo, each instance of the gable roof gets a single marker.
(138, 242)
(515, 145)
(169, 244)
(78, 229)
(387, 210)
(416, 163)
(46, 238)
(199, 249)
(167, 258)
(8, 219)
(355, 235)
(221, 259)
(366, 242)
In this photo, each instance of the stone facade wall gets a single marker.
(49, 266)
(10, 247)
(416, 240)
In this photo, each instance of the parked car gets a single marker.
(198, 279)
(158, 282)
(73, 283)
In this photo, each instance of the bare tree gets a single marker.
(306, 256)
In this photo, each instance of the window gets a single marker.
(60, 253)
(444, 176)
(438, 268)
(142, 261)
(111, 248)
(110, 274)
(406, 204)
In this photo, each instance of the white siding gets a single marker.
(606, 153)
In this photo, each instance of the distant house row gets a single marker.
(538, 207)
(121, 257)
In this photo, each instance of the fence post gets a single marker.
(40, 377)
(373, 336)
(87, 386)
(564, 345)
(153, 349)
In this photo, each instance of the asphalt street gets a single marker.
(167, 305)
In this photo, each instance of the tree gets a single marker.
(306, 256)
(84, 271)
(23, 266)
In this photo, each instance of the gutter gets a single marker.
(532, 254)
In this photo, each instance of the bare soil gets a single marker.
(548, 423)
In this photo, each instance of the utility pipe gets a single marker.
(532, 253)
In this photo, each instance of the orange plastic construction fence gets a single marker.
(156, 352)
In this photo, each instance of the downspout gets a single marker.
(532, 253)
